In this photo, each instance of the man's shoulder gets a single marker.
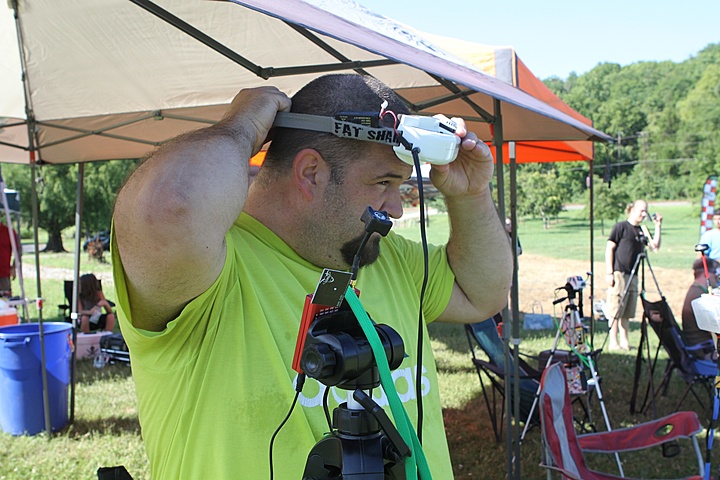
(618, 229)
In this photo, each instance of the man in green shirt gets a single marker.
(211, 276)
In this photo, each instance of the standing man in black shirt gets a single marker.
(627, 240)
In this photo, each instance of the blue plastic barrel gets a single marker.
(21, 388)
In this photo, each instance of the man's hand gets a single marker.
(471, 171)
(478, 249)
(256, 108)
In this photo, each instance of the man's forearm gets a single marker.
(658, 234)
(479, 252)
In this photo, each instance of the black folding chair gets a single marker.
(483, 336)
(692, 370)
(65, 309)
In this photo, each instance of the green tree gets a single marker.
(102, 182)
(610, 201)
(665, 114)
(699, 113)
(57, 192)
(540, 194)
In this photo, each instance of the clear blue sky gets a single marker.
(557, 37)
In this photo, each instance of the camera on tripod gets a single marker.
(336, 352)
(577, 283)
(340, 346)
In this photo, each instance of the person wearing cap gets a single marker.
(211, 275)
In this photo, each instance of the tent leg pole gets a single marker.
(591, 182)
(46, 393)
(511, 407)
(76, 275)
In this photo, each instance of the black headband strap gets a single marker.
(339, 128)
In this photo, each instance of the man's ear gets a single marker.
(310, 172)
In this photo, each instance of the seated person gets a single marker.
(693, 335)
(92, 303)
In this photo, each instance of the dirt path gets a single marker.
(538, 277)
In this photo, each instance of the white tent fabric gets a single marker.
(108, 79)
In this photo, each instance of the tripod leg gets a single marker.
(537, 392)
(593, 372)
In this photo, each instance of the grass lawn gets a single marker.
(106, 429)
(568, 236)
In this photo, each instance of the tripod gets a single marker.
(363, 442)
(640, 261)
(571, 327)
(364, 445)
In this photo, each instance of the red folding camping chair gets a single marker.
(564, 449)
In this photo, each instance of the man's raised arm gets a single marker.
(172, 214)
(478, 250)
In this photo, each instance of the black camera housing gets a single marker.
(337, 353)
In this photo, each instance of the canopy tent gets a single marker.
(504, 64)
(108, 79)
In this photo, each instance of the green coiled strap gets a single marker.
(416, 463)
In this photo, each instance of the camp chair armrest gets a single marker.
(707, 344)
(655, 432)
(501, 372)
(488, 366)
(535, 358)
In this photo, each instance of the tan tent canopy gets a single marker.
(108, 79)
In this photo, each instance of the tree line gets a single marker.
(57, 193)
(665, 118)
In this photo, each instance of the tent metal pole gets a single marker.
(76, 275)
(31, 124)
(592, 252)
(509, 406)
(262, 72)
(43, 360)
(514, 303)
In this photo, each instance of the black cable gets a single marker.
(423, 238)
(298, 388)
(356, 260)
(326, 409)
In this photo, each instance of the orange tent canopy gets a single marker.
(504, 64)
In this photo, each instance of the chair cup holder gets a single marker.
(670, 449)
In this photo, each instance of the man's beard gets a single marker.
(370, 253)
